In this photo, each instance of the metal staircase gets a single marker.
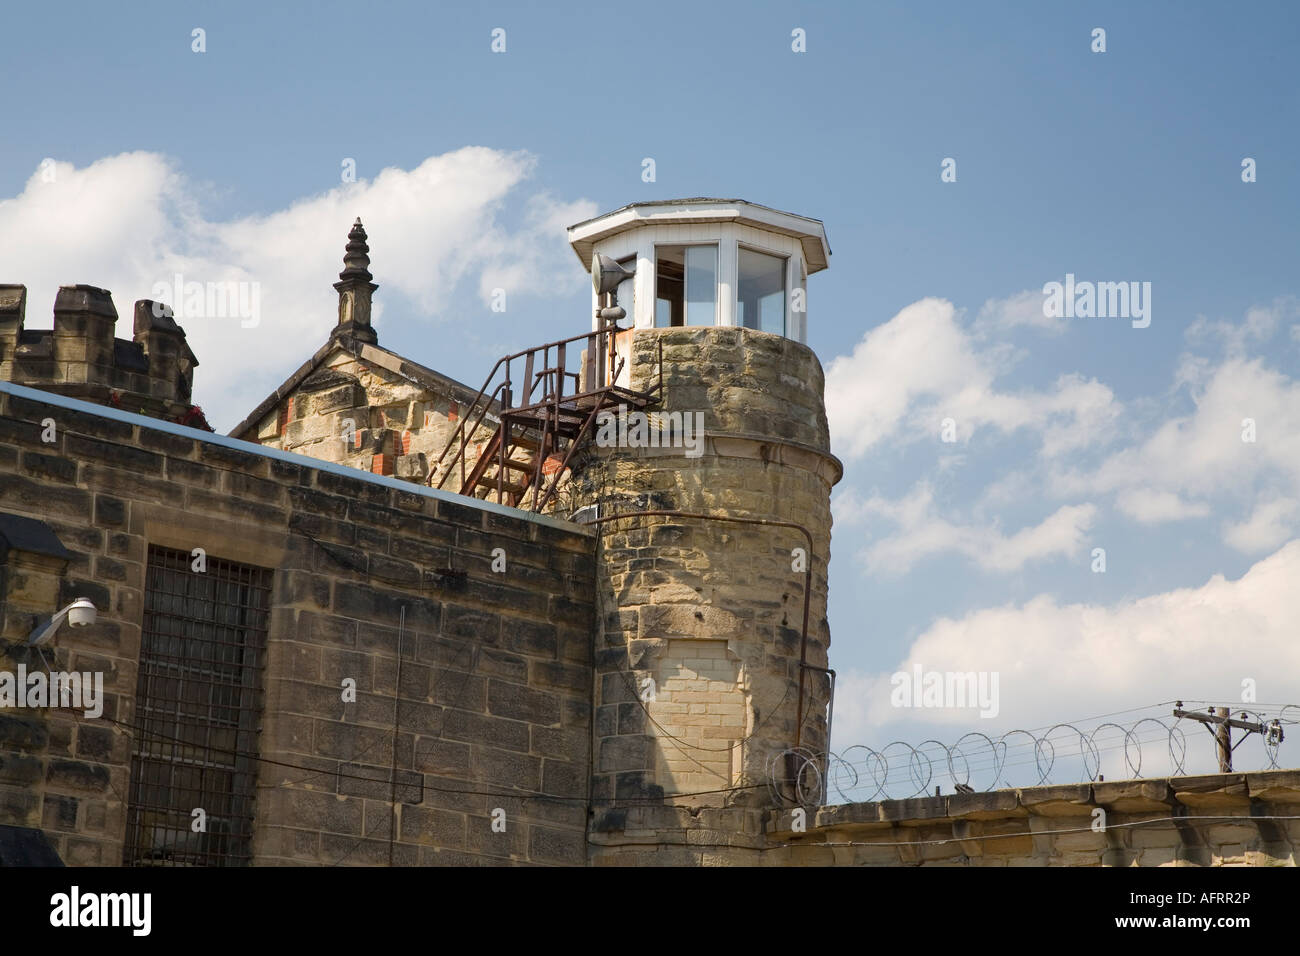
(563, 388)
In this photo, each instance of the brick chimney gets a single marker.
(84, 320)
(355, 289)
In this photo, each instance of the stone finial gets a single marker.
(356, 257)
(355, 288)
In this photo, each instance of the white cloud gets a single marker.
(1271, 523)
(1184, 457)
(910, 373)
(919, 352)
(1024, 309)
(1078, 414)
(919, 533)
(1202, 456)
(1259, 325)
(1148, 506)
(921, 366)
(1066, 661)
(437, 238)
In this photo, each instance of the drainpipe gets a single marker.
(830, 717)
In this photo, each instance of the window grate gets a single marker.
(198, 706)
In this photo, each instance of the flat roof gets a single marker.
(811, 233)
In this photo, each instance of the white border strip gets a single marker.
(213, 438)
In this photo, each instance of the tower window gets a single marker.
(686, 285)
(760, 291)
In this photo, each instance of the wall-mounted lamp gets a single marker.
(80, 613)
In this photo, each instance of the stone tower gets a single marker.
(707, 675)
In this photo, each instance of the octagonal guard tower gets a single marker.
(714, 510)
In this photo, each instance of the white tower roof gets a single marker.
(810, 232)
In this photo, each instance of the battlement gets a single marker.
(151, 373)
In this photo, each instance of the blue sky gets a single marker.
(1115, 166)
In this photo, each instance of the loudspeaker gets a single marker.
(606, 274)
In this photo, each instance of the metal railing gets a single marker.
(557, 402)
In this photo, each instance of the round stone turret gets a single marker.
(703, 666)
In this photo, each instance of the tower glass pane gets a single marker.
(701, 285)
(760, 291)
(686, 285)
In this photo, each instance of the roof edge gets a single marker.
(810, 232)
(411, 371)
(315, 464)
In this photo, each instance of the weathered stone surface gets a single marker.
(337, 607)
(1052, 826)
(643, 674)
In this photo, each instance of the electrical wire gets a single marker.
(504, 794)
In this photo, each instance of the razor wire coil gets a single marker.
(901, 770)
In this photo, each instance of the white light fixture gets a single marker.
(80, 613)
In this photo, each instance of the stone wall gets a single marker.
(495, 665)
(1245, 819)
(711, 611)
(359, 409)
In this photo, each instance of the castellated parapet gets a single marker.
(152, 373)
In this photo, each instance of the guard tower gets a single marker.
(713, 504)
(707, 262)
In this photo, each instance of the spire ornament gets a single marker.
(355, 289)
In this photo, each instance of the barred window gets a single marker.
(198, 710)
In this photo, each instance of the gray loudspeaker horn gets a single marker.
(606, 274)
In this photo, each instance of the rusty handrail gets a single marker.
(465, 434)
(541, 405)
(460, 438)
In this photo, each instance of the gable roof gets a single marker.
(391, 361)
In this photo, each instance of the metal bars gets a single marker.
(198, 707)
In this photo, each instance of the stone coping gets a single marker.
(251, 448)
(1229, 793)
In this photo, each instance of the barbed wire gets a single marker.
(899, 770)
